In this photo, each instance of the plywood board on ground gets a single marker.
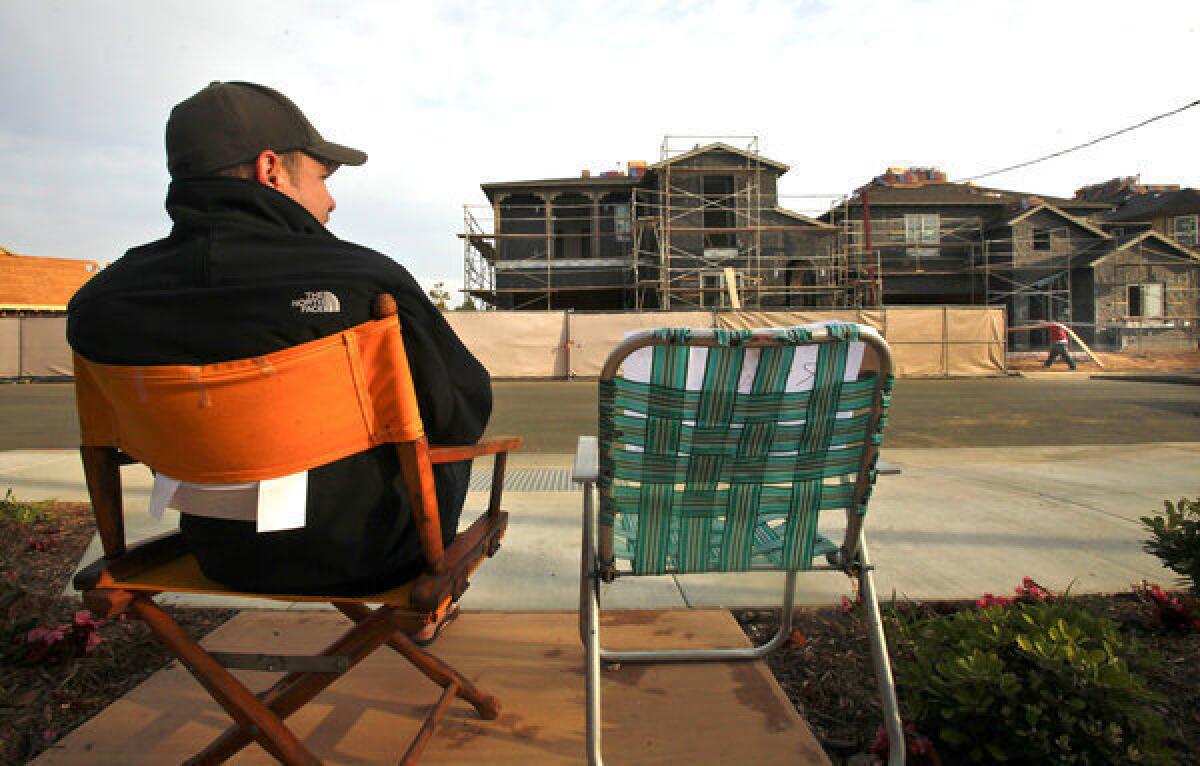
(697, 714)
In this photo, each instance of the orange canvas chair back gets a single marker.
(257, 418)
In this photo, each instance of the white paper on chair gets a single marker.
(161, 494)
(273, 504)
(800, 377)
(282, 502)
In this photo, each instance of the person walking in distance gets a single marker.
(1059, 342)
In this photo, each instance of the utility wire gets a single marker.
(1077, 147)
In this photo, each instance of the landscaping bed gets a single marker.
(59, 665)
(826, 668)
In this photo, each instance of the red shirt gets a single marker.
(1058, 334)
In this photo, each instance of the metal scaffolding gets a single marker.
(701, 229)
(712, 234)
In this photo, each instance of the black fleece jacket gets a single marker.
(246, 271)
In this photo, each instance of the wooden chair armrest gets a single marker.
(456, 452)
(147, 554)
(431, 592)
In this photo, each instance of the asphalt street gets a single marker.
(1008, 412)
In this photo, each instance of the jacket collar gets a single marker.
(199, 203)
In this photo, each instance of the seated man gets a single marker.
(248, 269)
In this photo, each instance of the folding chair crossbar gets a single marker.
(275, 663)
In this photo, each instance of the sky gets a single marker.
(444, 96)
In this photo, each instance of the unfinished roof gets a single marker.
(589, 182)
(1117, 190)
(1146, 237)
(32, 283)
(1145, 207)
(722, 147)
(1042, 206)
(799, 218)
(936, 193)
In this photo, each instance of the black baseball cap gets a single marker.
(229, 123)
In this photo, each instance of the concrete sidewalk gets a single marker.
(957, 523)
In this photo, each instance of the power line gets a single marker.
(1093, 142)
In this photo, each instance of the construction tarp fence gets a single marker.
(515, 344)
(34, 347)
(926, 341)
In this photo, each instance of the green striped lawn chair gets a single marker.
(718, 462)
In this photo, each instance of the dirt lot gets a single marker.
(1067, 409)
(1159, 361)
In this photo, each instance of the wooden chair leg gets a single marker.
(294, 690)
(434, 669)
(250, 713)
(429, 727)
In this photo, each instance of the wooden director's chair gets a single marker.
(263, 418)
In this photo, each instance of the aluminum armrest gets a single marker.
(587, 461)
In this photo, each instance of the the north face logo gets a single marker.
(321, 302)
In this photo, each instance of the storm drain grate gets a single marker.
(532, 480)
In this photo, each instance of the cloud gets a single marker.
(444, 96)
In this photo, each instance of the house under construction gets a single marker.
(1043, 258)
(700, 228)
(703, 228)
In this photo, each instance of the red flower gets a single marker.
(915, 744)
(1172, 612)
(989, 600)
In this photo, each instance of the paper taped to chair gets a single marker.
(274, 505)
(801, 376)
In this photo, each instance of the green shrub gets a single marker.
(1031, 683)
(23, 513)
(1176, 539)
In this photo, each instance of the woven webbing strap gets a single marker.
(722, 479)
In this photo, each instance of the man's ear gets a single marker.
(268, 166)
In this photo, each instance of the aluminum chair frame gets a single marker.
(852, 559)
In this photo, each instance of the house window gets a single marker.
(921, 229)
(1041, 240)
(1146, 301)
(714, 288)
(1183, 229)
(719, 210)
(622, 225)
